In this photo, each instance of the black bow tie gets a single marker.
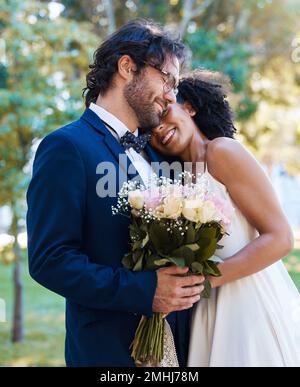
(138, 143)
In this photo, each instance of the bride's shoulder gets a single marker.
(224, 154)
(223, 146)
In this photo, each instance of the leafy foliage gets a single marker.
(154, 246)
(41, 77)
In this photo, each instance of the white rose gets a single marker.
(192, 209)
(171, 208)
(209, 212)
(159, 211)
(136, 199)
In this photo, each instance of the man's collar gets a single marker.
(118, 126)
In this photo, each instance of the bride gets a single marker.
(252, 317)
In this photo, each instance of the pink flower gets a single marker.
(224, 207)
(152, 198)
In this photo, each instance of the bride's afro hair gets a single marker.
(207, 91)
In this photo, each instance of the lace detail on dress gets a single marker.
(170, 355)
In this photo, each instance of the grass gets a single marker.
(292, 263)
(44, 320)
(44, 325)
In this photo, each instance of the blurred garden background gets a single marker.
(45, 50)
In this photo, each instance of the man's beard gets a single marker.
(139, 97)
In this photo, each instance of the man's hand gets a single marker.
(174, 293)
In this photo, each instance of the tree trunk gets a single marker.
(110, 16)
(187, 15)
(17, 328)
(190, 13)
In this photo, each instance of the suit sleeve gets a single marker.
(56, 204)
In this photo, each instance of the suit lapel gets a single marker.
(109, 139)
(111, 142)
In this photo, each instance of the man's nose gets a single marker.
(170, 96)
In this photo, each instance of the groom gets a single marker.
(75, 244)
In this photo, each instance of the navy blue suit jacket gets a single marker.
(76, 245)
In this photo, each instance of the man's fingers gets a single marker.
(178, 272)
(184, 307)
(177, 304)
(185, 303)
(185, 300)
(192, 300)
(174, 270)
(190, 280)
(192, 291)
(182, 281)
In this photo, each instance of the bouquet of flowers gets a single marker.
(171, 223)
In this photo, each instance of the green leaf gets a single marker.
(178, 261)
(193, 246)
(136, 245)
(164, 261)
(150, 264)
(185, 253)
(161, 262)
(219, 232)
(163, 241)
(206, 231)
(139, 264)
(197, 226)
(136, 234)
(197, 268)
(177, 239)
(205, 253)
(145, 241)
(127, 261)
(159, 237)
(207, 289)
(210, 268)
(190, 233)
(136, 255)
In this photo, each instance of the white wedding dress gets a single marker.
(254, 321)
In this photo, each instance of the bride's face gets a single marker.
(176, 130)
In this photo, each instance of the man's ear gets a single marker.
(126, 67)
(189, 109)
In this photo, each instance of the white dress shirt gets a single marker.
(139, 160)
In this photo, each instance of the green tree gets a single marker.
(43, 64)
(251, 42)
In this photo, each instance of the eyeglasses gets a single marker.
(168, 79)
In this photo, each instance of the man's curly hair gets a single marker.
(207, 92)
(144, 41)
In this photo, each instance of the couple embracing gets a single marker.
(138, 107)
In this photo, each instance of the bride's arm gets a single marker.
(230, 163)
